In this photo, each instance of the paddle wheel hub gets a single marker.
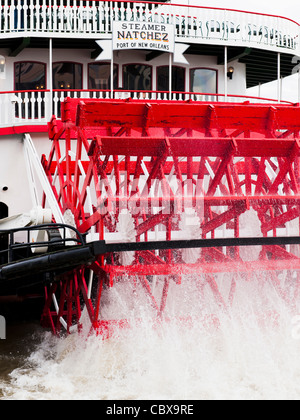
(143, 171)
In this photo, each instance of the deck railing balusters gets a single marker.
(192, 24)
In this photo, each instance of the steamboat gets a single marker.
(132, 155)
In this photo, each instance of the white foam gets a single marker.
(247, 357)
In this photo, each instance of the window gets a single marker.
(99, 76)
(67, 76)
(137, 77)
(3, 209)
(178, 79)
(2, 67)
(204, 81)
(30, 76)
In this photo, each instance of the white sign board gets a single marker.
(143, 36)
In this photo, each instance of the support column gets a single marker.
(170, 75)
(51, 76)
(225, 73)
(279, 78)
(112, 75)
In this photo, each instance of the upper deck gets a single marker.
(193, 24)
(50, 38)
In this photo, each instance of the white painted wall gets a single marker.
(237, 86)
(13, 176)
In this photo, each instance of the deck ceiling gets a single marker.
(261, 65)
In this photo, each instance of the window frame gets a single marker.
(178, 67)
(205, 68)
(33, 62)
(101, 63)
(137, 64)
(69, 62)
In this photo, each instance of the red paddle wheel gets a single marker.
(143, 171)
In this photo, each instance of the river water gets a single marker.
(244, 357)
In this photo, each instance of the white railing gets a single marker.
(21, 108)
(193, 24)
(37, 107)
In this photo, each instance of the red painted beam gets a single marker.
(190, 115)
(205, 268)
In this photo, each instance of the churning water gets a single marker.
(248, 355)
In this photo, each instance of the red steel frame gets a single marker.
(230, 158)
